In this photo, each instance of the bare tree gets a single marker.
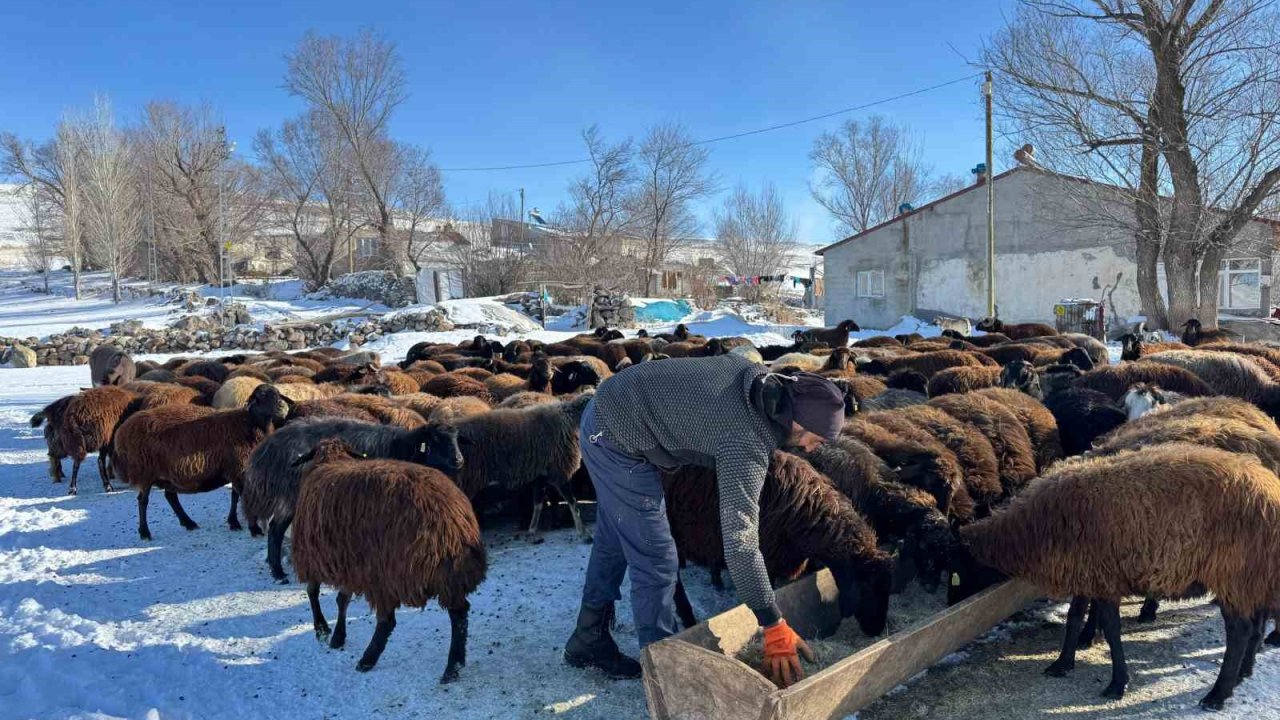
(418, 197)
(867, 171)
(309, 186)
(40, 218)
(489, 268)
(113, 207)
(200, 196)
(357, 84)
(754, 235)
(672, 177)
(593, 226)
(52, 170)
(1173, 101)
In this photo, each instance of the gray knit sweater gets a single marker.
(699, 411)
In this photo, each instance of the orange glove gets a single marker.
(781, 664)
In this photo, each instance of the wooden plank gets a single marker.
(860, 679)
(686, 682)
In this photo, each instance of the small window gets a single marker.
(366, 247)
(871, 283)
(1240, 284)
(671, 279)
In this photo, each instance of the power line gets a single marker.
(735, 136)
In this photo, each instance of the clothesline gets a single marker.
(759, 279)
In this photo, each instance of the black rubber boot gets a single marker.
(591, 645)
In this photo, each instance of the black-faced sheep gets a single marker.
(1133, 347)
(535, 447)
(1015, 331)
(272, 481)
(110, 366)
(396, 533)
(1157, 522)
(1193, 334)
(574, 374)
(190, 449)
(803, 517)
(1083, 416)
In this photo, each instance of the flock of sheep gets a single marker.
(966, 458)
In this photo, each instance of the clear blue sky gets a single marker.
(498, 83)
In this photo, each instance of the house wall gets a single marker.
(1056, 238)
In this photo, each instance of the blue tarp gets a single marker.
(663, 311)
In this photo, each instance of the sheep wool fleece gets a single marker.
(699, 411)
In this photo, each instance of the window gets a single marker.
(671, 279)
(1239, 283)
(871, 283)
(366, 247)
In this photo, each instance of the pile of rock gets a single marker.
(202, 335)
(611, 308)
(379, 286)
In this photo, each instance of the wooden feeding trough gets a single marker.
(695, 676)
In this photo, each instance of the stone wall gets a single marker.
(74, 346)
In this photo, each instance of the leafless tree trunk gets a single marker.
(113, 210)
(489, 268)
(357, 84)
(1173, 100)
(672, 177)
(594, 224)
(868, 170)
(418, 198)
(754, 235)
(70, 156)
(41, 251)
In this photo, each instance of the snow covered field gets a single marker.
(95, 623)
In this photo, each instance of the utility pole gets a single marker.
(521, 220)
(991, 207)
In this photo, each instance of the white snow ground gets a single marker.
(95, 623)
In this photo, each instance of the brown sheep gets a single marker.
(475, 373)
(527, 399)
(927, 364)
(154, 395)
(1160, 522)
(395, 532)
(1230, 435)
(861, 387)
(1134, 347)
(1224, 408)
(1267, 358)
(453, 385)
(203, 385)
(1008, 353)
(952, 499)
(963, 380)
(89, 424)
(110, 366)
(926, 464)
(257, 373)
(977, 458)
(1036, 419)
(1015, 331)
(450, 411)
(1115, 380)
(1227, 373)
(189, 449)
(330, 408)
(803, 517)
(987, 340)
(209, 369)
(51, 418)
(1001, 428)
(877, 341)
(835, 337)
(384, 410)
(421, 403)
(838, 364)
(345, 373)
(538, 380)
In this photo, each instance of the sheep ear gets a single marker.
(304, 458)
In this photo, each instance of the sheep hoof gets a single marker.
(338, 641)
(450, 675)
(1273, 639)
(144, 535)
(1114, 691)
(72, 491)
(235, 526)
(587, 540)
(1084, 642)
(191, 525)
(322, 633)
(1059, 668)
(281, 580)
(1146, 617)
(365, 665)
(108, 488)
(534, 539)
(1212, 702)
(255, 531)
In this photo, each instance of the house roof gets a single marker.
(1274, 223)
(915, 211)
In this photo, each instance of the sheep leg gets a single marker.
(276, 528)
(339, 638)
(55, 468)
(144, 495)
(534, 536)
(233, 521)
(1148, 612)
(1239, 629)
(172, 497)
(104, 471)
(1274, 638)
(1090, 628)
(684, 609)
(317, 615)
(1066, 661)
(717, 577)
(457, 642)
(565, 490)
(386, 623)
(75, 475)
(1109, 621)
(1255, 644)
